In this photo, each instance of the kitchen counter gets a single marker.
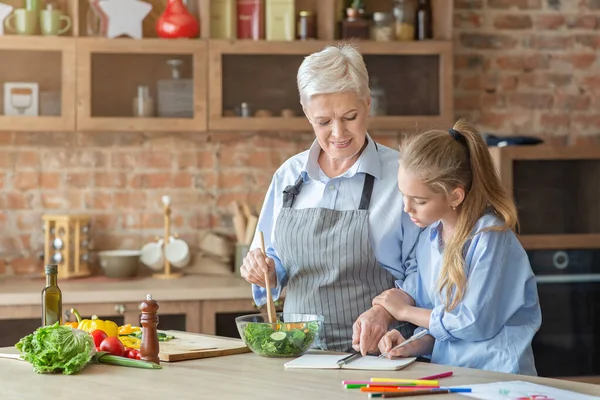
(241, 376)
(24, 291)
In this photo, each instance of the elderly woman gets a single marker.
(330, 217)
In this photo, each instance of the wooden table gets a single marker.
(245, 376)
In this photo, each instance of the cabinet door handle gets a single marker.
(120, 309)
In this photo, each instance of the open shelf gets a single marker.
(263, 74)
(109, 72)
(50, 65)
(557, 193)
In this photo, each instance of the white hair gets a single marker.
(332, 70)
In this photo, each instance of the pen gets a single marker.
(407, 341)
(349, 358)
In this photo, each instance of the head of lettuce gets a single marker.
(57, 349)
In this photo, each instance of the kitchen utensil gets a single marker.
(188, 346)
(66, 243)
(177, 252)
(270, 305)
(152, 255)
(119, 263)
(292, 336)
(167, 274)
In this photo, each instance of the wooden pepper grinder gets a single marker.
(149, 347)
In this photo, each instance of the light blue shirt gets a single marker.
(493, 326)
(392, 233)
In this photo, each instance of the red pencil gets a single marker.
(438, 376)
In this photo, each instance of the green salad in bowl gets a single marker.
(291, 336)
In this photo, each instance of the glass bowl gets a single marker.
(291, 336)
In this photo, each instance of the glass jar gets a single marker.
(382, 29)
(404, 19)
(378, 100)
(307, 27)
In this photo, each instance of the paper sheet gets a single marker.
(326, 361)
(520, 390)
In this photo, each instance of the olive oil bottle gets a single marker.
(51, 297)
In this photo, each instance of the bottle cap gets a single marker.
(51, 269)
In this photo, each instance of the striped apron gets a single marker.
(331, 266)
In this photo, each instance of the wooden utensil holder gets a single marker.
(66, 243)
(167, 274)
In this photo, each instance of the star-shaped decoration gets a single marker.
(125, 17)
(5, 11)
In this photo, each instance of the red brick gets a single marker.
(533, 101)
(2, 267)
(468, 4)
(157, 220)
(29, 220)
(525, 62)
(467, 101)
(509, 83)
(590, 41)
(6, 138)
(27, 159)
(26, 180)
(125, 160)
(110, 179)
(91, 159)
(151, 180)
(468, 61)
(592, 83)
(6, 159)
(106, 222)
(586, 121)
(512, 21)
(67, 200)
(229, 179)
(569, 102)
(79, 179)
(470, 82)
(98, 200)
(546, 42)
(206, 159)
(578, 61)
(555, 120)
(26, 265)
(494, 120)
(157, 159)
(487, 41)
(19, 201)
(583, 22)
(522, 4)
(2, 179)
(49, 180)
(543, 80)
(186, 160)
(130, 200)
(549, 22)
(182, 180)
(254, 199)
(493, 100)
(468, 20)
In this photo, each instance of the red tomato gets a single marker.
(138, 356)
(127, 352)
(98, 336)
(113, 345)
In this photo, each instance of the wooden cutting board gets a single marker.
(191, 346)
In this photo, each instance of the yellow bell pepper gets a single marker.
(90, 325)
(130, 341)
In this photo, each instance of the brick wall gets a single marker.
(521, 67)
(529, 67)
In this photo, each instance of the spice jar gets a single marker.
(404, 19)
(382, 29)
(307, 27)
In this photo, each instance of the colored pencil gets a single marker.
(424, 392)
(415, 381)
(370, 389)
(389, 385)
(373, 383)
(437, 376)
(402, 390)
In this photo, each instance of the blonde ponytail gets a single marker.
(459, 158)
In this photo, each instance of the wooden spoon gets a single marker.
(270, 305)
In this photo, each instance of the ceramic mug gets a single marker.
(25, 22)
(50, 21)
(152, 255)
(178, 253)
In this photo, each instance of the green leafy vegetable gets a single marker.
(162, 337)
(57, 348)
(281, 341)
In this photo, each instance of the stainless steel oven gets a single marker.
(568, 342)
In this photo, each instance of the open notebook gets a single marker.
(326, 361)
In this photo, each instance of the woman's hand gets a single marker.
(419, 347)
(255, 266)
(396, 302)
(368, 329)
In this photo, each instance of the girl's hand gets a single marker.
(396, 302)
(391, 339)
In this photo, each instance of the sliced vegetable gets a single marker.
(278, 336)
(130, 341)
(127, 329)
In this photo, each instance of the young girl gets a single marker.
(474, 290)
